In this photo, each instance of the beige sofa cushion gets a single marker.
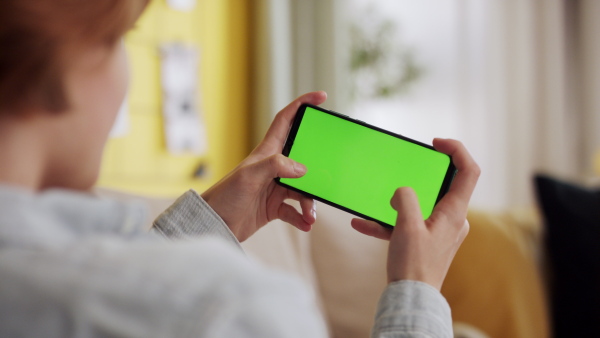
(351, 270)
(283, 247)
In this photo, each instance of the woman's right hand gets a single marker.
(423, 250)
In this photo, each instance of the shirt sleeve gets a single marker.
(412, 309)
(189, 217)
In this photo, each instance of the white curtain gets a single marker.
(297, 50)
(527, 92)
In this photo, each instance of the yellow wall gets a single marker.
(139, 162)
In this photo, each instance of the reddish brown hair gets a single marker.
(35, 37)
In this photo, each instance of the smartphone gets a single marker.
(356, 167)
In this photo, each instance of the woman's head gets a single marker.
(38, 39)
(62, 63)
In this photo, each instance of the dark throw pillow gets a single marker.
(572, 227)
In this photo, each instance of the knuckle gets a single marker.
(463, 231)
(464, 226)
(472, 169)
(277, 161)
(476, 170)
(279, 115)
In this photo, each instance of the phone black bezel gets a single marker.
(450, 173)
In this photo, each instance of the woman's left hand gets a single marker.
(248, 197)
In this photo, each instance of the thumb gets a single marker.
(406, 203)
(277, 166)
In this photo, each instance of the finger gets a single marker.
(409, 211)
(307, 204)
(288, 214)
(466, 177)
(276, 166)
(371, 228)
(278, 130)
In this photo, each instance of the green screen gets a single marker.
(360, 168)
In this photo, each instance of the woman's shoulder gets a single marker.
(144, 285)
(56, 217)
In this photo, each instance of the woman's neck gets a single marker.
(22, 154)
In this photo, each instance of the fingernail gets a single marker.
(314, 213)
(299, 168)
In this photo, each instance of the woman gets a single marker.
(74, 265)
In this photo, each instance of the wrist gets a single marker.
(416, 277)
(210, 199)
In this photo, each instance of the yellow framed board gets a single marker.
(139, 161)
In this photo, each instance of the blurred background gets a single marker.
(516, 80)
